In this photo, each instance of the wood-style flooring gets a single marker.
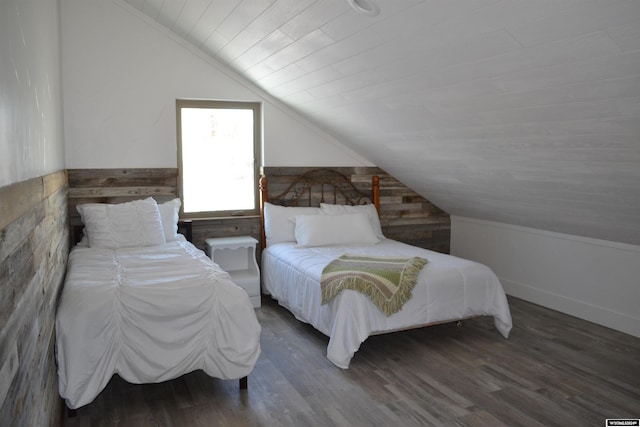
(554, 370)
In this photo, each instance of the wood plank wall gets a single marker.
(118, 186)
(404, 215)
(123, 185)
(33, 254)
(227, 227)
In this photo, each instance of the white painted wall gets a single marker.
(592, 279)
(31, 139)
(122, 74)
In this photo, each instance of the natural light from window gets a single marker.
(217, 159)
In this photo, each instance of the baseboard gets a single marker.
(591, 279)
(572, 307)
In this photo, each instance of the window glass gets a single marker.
(218, 149)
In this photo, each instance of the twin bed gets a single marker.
(142, 302)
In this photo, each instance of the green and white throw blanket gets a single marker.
(387, 281)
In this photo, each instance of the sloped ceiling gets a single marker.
(518, 111)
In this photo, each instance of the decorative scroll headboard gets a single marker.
(317, 186)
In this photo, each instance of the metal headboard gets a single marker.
(317, 186)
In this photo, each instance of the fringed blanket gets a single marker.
(387, 282)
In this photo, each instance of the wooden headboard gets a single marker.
(317, 186)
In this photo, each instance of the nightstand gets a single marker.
(237, 256)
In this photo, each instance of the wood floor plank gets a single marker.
(554, 370)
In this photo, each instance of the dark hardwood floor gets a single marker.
(554, 370)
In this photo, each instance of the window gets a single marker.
(218, 151)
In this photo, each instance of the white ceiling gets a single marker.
(518, 111)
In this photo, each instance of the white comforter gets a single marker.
(150, 314)
(448, 288)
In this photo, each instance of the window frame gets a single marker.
(256, 107)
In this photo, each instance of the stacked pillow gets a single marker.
(323, 226)
(338, 229)
(131, 224)
(169, 215)
(369, 210)
(278, 226)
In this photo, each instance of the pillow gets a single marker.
(325, 230)
(122, 225)
(169, 212)
(277, 226)
(369, 210)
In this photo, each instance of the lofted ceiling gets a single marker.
(518, 111)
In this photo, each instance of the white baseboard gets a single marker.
(580, 309)
(591, 279)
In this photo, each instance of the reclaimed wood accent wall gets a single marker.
(226, 227)
(123, 185)
(34, 236)
(404, 215)
(118, 186)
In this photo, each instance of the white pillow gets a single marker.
(325, 230)
(369, 210)
(122, 225)
(277, 226)
(169, 213)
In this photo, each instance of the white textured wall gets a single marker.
(31, 142)
(592, 279)
(122, 75)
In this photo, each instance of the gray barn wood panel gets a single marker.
(119, 185)
(33, 254)
(123, 185)
(225, 227)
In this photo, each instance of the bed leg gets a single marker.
(243, 383)
(66, 411)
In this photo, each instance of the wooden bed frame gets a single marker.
(322, 185)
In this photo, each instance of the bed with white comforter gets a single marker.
(149, 314)
(448, 288)
(301, 241)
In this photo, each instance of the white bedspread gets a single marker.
(448, 288)
(150, 314)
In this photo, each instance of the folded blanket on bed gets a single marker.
(387, 281)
